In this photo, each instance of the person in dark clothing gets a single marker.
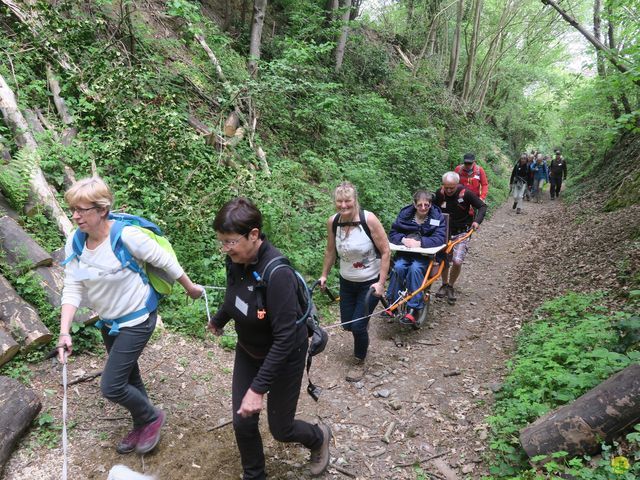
(518, 182)
(271, 347)
(457, 201)
(422, 225)
(557, 173)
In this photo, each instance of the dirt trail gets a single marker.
(429, 396)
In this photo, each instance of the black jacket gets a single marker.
(276, 336)
(458, 208)
(520, 172)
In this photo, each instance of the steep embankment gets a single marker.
(435, 386)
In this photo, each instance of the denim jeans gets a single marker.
(121, 381)
(409, 271)
(352, 306)
(282, 402)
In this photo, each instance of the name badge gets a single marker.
(434, 222)
(476, 177)
(242, 306)
(444, 205)
(82, 274)
(460, 200)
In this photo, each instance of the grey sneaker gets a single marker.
(319, 460)
(442, 291)
(356, 372)
(451, 295)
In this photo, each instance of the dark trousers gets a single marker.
(282, 402)
(352, 306)
(556, 184)
(121, 381)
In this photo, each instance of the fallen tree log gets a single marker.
(598, 416)
(40, 189)
(19, 405)
(20, 250)
(20, 318)
(8, 346)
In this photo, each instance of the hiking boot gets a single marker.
(129, 442)
(451, 295)
(519, 210)
(515, 204)
(411, 317)
(442, 291)
(356, 372)
(150, 434)
(319, 460)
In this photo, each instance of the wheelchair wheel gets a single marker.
(424, 314)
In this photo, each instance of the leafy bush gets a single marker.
(569, 349)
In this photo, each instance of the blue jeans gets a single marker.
(410, 271)
(121, 381)
(352, 306)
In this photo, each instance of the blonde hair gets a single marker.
(347, 189)
(93, 190)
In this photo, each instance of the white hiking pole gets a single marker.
(64, 415)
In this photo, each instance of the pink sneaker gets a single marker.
(129, 442)
(150, 434)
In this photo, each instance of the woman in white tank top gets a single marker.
(363, 251)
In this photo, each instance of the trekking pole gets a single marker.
(64, 416)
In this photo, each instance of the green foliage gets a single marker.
(15, 177)
(571, 347)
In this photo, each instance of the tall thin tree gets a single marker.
(259, 11)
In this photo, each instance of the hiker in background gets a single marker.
(456, 200)
(530, 161)
(272, 346)
(540, 176)
(518, 182)
(557, 173)
(120, 296)
(421, 225)
(472, 176)
(356, 237)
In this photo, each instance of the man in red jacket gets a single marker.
(472, 176)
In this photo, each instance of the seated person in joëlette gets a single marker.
(421, 225)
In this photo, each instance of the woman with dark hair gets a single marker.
(358, 239)
(271, 348)
(419, 225)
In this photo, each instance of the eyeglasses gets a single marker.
(423, 205)
(81, 211)
(227, 244)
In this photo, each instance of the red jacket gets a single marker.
(475, 180)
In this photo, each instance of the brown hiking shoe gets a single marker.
(451, 295)
(356, 372)
(319, 460)
(442, 291)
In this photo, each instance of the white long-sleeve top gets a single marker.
(96, 279)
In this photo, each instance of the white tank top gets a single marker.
(357, 254)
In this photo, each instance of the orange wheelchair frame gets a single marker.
(399, 306)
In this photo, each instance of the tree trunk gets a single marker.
(355, 9)
(331, 7)
(344, 33)
(19, 405)
(20, 251)
(259, 12)
(5, 208)
(8, 346)
(596, 33)
(203, 43)
(5, 154)
(455, 48)
(611, 56)
(599, 415)
(33, 121)
(231, 124)
(20, 318)
(471, 58)
(40, 190)
(612, 45)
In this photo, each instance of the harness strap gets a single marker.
(114, 323)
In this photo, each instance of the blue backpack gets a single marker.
(160, 282)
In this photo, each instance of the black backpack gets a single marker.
(310, 315)
(362, 223)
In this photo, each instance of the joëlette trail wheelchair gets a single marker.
(433, 272)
